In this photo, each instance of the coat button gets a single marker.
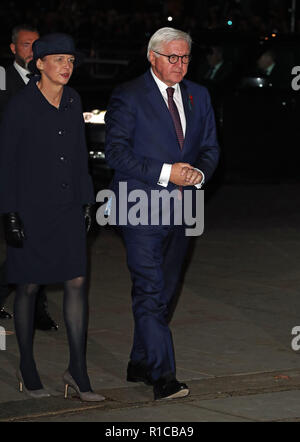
(65, 185)
(62, 158)
(61, 132)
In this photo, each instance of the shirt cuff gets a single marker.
(198, 186)
(165, 175)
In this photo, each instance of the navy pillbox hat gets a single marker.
(51, 44)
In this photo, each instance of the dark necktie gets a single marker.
(30, 75)
(175, 116)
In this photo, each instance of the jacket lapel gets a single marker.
(188, 110)
(159, 106)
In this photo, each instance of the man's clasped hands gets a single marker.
(183, 174)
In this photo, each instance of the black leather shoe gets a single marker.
(169, 389)
(138, 372)
(44, 322)
(4, 314)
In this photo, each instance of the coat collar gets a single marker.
(44, 104)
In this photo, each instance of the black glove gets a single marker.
(13, 229)
(88, 216)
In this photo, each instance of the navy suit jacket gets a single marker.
(141, 137)
(14, 83)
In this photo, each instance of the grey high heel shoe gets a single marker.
(36, 394)
(88, 396)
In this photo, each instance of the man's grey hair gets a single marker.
(17, 29)
(165, 35)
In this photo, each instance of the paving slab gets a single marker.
(232, 326)
(261, 407)
(136, 403)
(165, 413)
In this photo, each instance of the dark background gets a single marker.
(258, 128)
(91, 22)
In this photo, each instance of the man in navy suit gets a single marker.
(17, 76)
(160, 133)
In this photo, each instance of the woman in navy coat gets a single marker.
(46, 195)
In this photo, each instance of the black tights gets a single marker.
(76, 319)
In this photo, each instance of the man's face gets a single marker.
(213, 58)
(265, 61)
(22, 49)
(170, 73)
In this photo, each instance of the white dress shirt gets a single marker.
(270, 69)
(177, 97)
(22, 71)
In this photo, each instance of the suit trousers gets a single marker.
(5, 289)
(155, 257)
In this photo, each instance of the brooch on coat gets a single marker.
(69, 105)
(191, 102)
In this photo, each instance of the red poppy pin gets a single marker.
(191, 102)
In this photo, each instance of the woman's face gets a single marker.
(57, 68)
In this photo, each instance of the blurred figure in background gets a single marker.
(269, 67)
(17, 74)
(217, 73)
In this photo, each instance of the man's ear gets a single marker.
(152, 57)
(13, 48)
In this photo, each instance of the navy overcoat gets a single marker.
(44, 177)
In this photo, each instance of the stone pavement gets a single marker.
(232, 326)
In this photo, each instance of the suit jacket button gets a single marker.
(61, 132)
(65, 185)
